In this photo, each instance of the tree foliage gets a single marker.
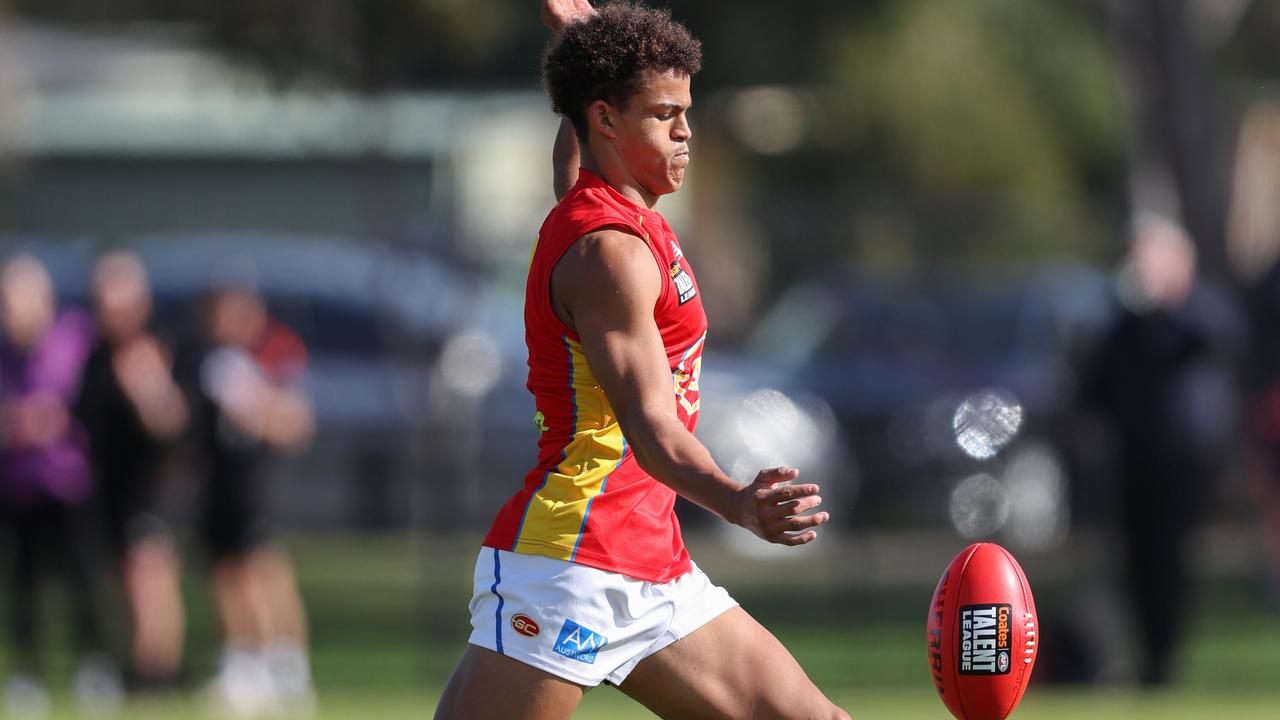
(998, 110)
(970, 129)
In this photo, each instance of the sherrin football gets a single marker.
(981, 633)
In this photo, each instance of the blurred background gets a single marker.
(985, 270)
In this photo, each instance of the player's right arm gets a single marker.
(605, 288)
(566, 159)
(556, 14)
(565, 154)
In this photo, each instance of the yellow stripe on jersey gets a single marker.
(533, 251)
(557, 513)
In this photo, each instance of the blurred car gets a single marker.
(945, 387)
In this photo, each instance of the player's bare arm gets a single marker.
(605, 288)
(565, 160)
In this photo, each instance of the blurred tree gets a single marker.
(367, 45)
(1248, 51)
(1179, 164)
(983, 130)
(995, 112)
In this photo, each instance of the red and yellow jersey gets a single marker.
(588, 501)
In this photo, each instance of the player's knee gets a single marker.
(838, 714)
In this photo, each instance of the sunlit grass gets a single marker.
(388, 617)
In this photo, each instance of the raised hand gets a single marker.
(774, 511)
(559, 14)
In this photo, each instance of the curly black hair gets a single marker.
(603, 57)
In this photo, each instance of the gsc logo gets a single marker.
(525, 625)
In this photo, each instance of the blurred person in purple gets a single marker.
(46, 481)
(132, 408)
(250, 408)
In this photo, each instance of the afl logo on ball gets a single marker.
(984, 639)
(524, 625)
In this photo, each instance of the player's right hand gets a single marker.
(558, 14)
(774, 511)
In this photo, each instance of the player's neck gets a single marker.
(614, 172)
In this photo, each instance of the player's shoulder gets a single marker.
(588, 206)
(588, 224)
(591, 203)
(610, 263)
(608, 251)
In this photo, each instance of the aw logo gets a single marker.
(579, 643)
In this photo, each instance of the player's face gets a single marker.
(653, 132)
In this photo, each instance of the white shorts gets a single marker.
(579, 623)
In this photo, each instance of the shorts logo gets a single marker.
(525, 625)
(684, 283)
(579, 643)
(985, 636)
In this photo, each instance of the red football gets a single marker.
(982, 633)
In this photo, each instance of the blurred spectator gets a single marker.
(1265, 427)
(249, 408)
(1164, 381)
(46, 481)
(132, 407)
(1166, 375)
(1254, 243)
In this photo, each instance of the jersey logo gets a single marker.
(579, 643)
(525, 625)
(685, 377)
(684, 283)
(540, 421)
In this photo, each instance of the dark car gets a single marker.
(948, 390)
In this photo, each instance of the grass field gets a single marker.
(389, 620)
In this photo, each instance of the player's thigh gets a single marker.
(488, 685)
(732, 667)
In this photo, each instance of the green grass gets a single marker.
(905, 704)
(389, 619)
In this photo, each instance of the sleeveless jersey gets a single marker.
(587, 500)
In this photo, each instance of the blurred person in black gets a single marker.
(249, 408)
(1165, 376)
(1264, 429)
(1163, 381)
(132, 409)
(46, 483)
(1254, 246)
(1265, 426)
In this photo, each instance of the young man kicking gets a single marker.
(584, 577)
